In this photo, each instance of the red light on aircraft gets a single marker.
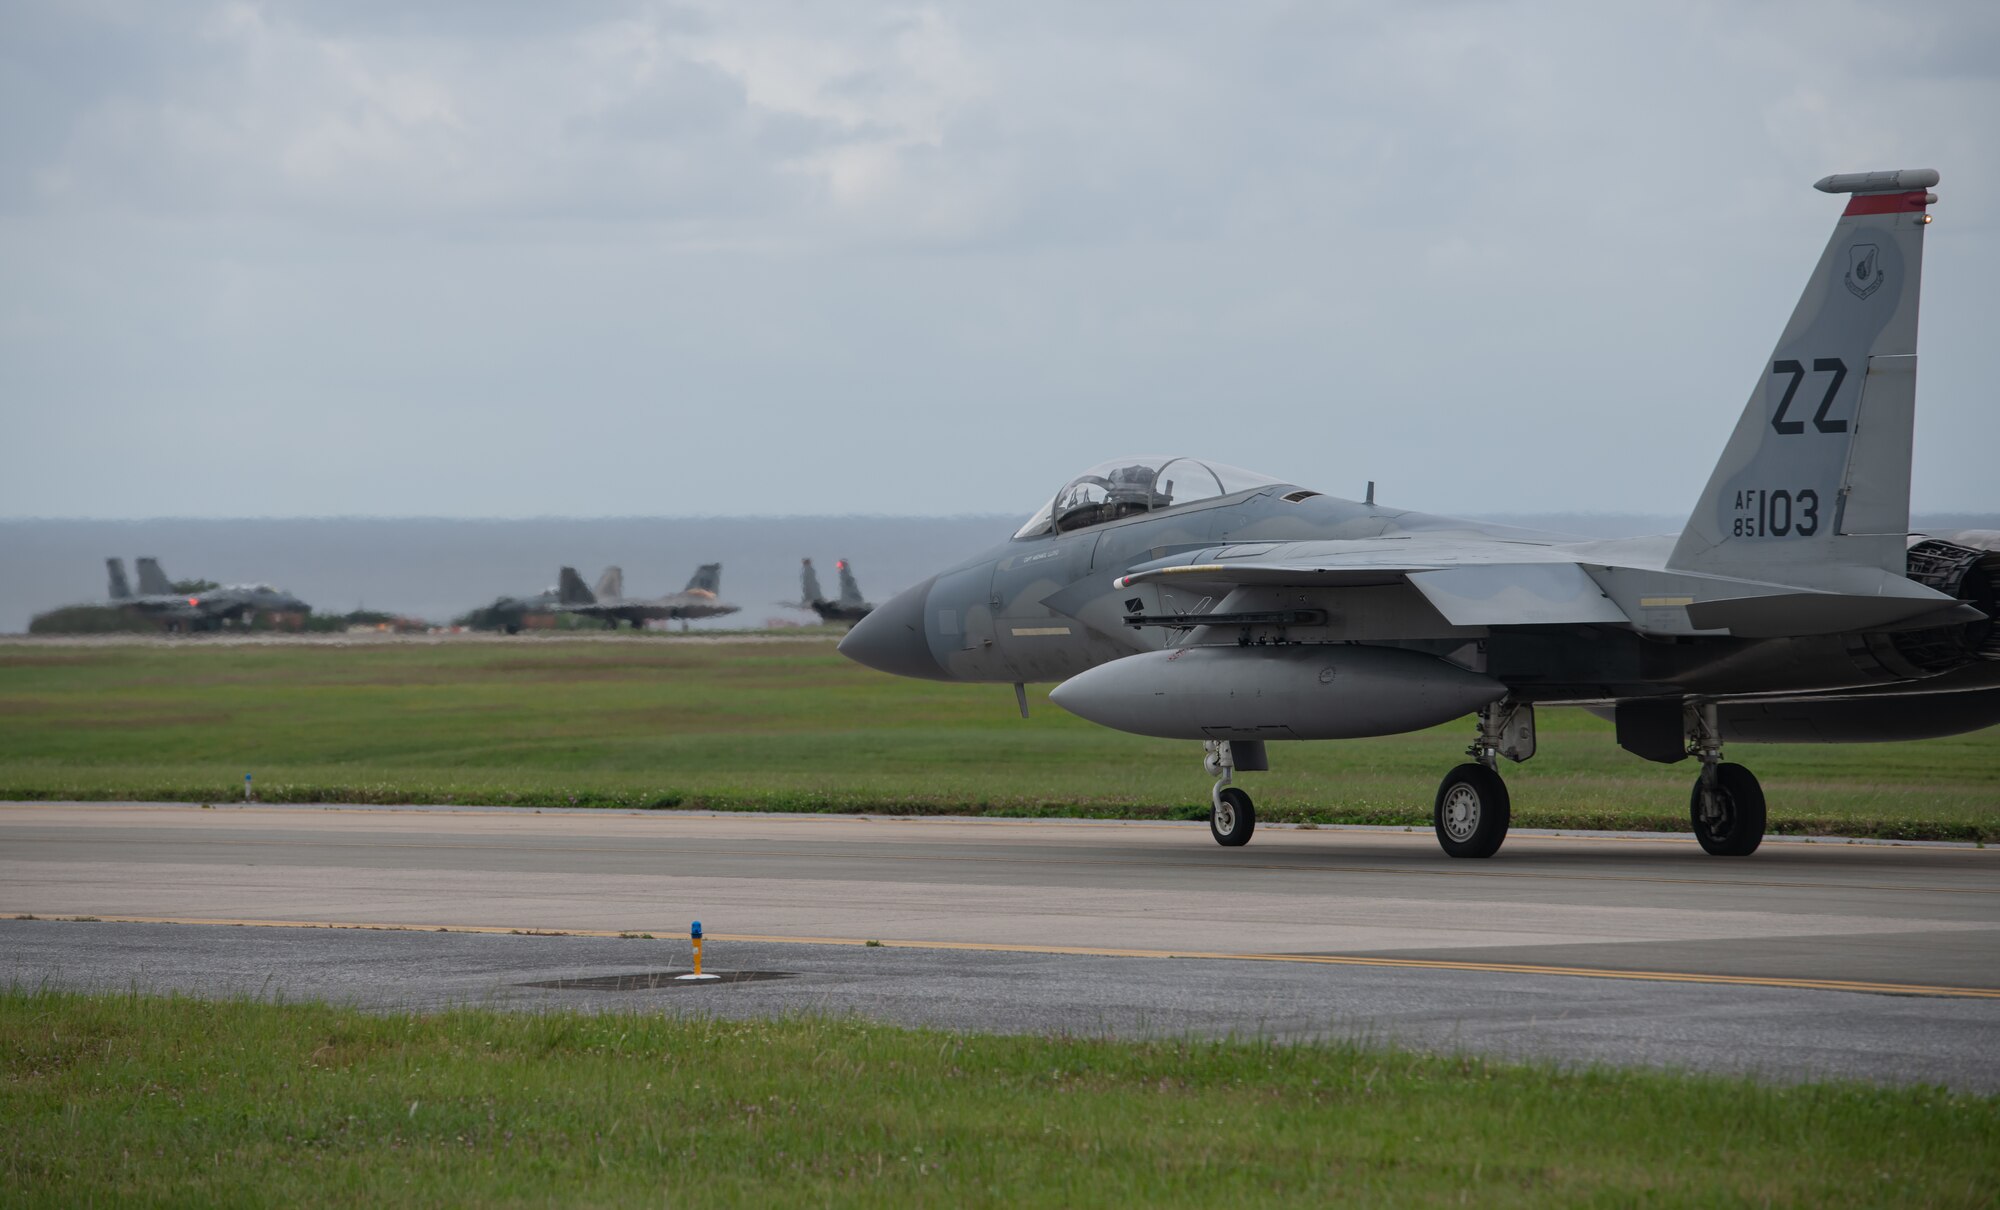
(841, 564)
(194, 600)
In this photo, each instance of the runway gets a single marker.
(1876, 961)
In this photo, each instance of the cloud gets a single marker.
(1341, 241)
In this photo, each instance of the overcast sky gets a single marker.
(507, 259)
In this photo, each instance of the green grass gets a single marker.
(791, 726)
(133, 1099)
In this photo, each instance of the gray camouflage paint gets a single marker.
(1712, 616)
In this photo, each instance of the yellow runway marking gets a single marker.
(1436, 964)
(1212, 866)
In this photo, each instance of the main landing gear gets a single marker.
(1472, 809)
(1727, 805)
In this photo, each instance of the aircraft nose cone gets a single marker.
(892, 639)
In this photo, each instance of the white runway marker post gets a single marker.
(694, 938)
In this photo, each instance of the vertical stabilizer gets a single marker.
(611, 585)
(1815, 481)
(850, 591)
(808, 584)
(570, 589)
(707, 579)
(121, 590)
(152, 581)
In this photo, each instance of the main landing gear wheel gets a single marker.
(1232, 817)
(1472, 812)
(1727, 808)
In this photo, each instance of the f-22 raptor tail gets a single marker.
(611, 585)
(570, 589)
(707, 579)
(1815, 481)
(121, 590)
(152, 581)
(809, 590)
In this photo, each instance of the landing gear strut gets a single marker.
(1232, 817)
(1472, 808)
(1727, 805)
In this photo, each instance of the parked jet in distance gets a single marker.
(697, 600)
(203, 609)
(1179, 598)
(513, 614)
(850, 608)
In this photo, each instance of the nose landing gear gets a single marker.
(1232, 817)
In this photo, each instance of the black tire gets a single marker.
(1472, 812)
(1233, 818)
(1737, 825)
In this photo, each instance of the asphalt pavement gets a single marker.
(1808, 960)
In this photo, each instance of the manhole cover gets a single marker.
(656, 979)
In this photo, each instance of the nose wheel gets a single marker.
(1231, 817)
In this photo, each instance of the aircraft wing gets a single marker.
(1505, 583)
(1489, 584)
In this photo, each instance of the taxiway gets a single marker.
(1809, 959)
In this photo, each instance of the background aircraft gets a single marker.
(850, 608)
(697, 600)
(513, 614)
(201, 609)
(1180, 598)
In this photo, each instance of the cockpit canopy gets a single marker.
(1125, 487)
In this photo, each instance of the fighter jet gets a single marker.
(511, 614)
(697, 600)
(1178, 597)
(850, 608)
(202, 610)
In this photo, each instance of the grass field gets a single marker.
(655, 722)
(127, 1098)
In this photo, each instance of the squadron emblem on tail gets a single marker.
(1864, 269)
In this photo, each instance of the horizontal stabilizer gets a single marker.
(1789, 615)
